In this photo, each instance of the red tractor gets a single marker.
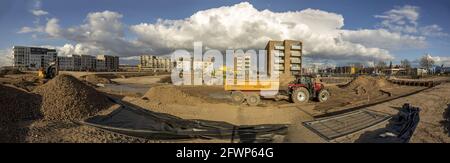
(301, 90)
(306, 87)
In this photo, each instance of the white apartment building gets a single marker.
(155, 62)
(88, 63)
(33, 57)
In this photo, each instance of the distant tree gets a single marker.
(426, 62)
(405, 63)
(381, 65)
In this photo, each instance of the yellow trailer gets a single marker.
(250, 90)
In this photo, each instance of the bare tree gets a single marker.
(426, 62)
(405, 63)
(380, 66)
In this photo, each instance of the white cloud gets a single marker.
(103, 32)
(433, 30)
(441, 60)
(401, 19)
(69, 49)
(243, 26)
(31, 29)
(405, 20)
(238, 26)
(39, 12)
(381, 38)
(52, 27)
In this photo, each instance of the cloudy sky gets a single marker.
(332, 32)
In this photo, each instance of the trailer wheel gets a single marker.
(253, 99)
(323, 95)
(300, 95)
(237, 97)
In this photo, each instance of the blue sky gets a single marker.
(357, 15)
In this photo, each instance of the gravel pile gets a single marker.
(18, 105)
(65, 97)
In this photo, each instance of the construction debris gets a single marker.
(65, 97)
(405, 123)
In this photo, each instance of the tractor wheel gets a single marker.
(300, 95)
(237, 97)
(323, 95)
(253, 99)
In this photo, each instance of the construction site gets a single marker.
(145, 107)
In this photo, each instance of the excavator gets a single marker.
(48, 72)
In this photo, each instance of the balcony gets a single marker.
(296, 47)
(278, 67)
(279, 60)
(295, 60)
(278, 53)
(278, 47)
(296, 53)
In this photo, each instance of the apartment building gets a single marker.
(69, 63)
(87, 63)
(155, 62)
(111, 63)
(286, 55)
(33, 57)
(101, 66)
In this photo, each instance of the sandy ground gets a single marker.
(432, 128)
(218, 107)
(78, 74)
(146, 80)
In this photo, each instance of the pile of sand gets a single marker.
(65, 97)
(169, 94)
(363, 85)
(18, 105)
(95, 79)
(166, 79)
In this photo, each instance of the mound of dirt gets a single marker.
(10, 72)
(363, 85)
(169, 94)
(166, 79)
(65, 97)
(18, 105)
(95, 79)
